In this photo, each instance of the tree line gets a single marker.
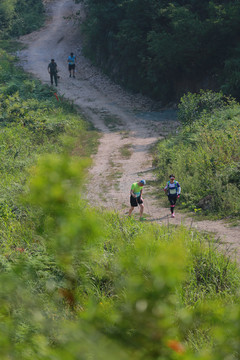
(166, 48)
(79, 283)
(18, 17)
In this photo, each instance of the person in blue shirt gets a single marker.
(173, 190)
(71, 64)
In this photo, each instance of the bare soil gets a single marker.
(130, 124)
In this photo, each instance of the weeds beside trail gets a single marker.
(32, 123)
(205, 155)
(94, 282)
(77, 282)
(20, 17)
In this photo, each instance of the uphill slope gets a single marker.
(127, 122)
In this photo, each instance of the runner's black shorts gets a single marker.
(172, 198)
(135, 201)
(71, 67)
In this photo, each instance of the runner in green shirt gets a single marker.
(136, 197)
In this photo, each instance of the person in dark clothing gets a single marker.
(52, 69)
(173, 190)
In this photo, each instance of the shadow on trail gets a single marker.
(158, 219)
(158, 116)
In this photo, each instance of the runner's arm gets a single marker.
(178, 189)
(132, 193)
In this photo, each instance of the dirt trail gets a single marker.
(130, 124)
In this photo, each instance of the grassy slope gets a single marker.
(79, 284)
(205, 155)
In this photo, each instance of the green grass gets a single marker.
(125, 134)
(78, 278)
(11, 46)
(112, 122)
(204, 156)
(126, 151)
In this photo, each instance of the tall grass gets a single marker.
(205, 156)
(32, 123)
(77, 283)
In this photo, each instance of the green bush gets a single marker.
(19, 17)
(192, 106)
(79, 283)
(98, 283)
(32, 122)
(165, 48)
(231, 74)
(205, 156)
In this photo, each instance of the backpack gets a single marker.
(176, 186)
(53, 67)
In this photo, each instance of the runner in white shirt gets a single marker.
(173, 190)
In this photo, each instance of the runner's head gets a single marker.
(172, 177)
(142, 182)
(71, 54)
(52, 60)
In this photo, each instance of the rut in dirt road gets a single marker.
(130, 124)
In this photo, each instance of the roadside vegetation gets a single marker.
(83, 284)
(166, 48)
(19, 17)
(205, 154)
(80, 283)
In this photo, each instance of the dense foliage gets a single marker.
(205, 154)
(32, 123)
(165, 48)
(77, 283)
(18, 17)
(89, 285)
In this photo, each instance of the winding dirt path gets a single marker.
(130, 124)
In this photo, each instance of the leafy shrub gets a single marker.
(231, 74)
(32, 122)
(76, 283)
(192, 106)
(205, 154)
(98, 283)
(120, 285)
(165, 49)
(18, 17)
